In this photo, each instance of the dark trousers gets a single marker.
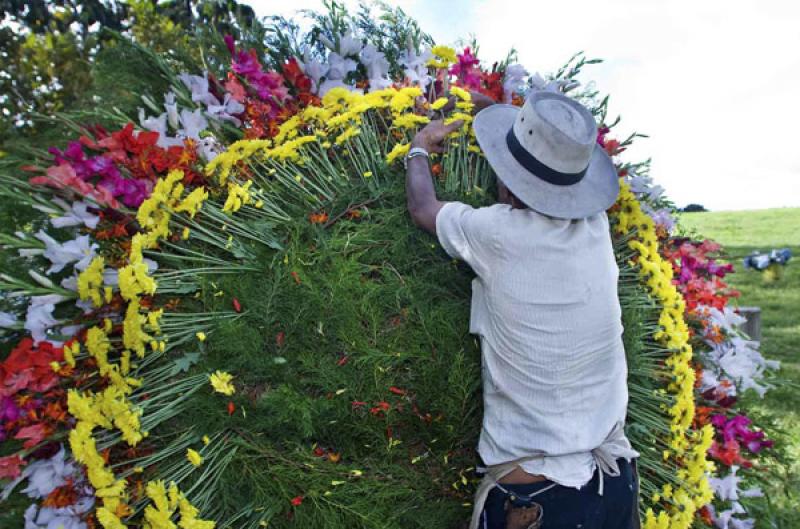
(568, 507)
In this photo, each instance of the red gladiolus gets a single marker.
(236, 305)
(10, 466)
(297, 500)
(34, 434)
(397, 391)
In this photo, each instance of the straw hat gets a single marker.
(547, 154)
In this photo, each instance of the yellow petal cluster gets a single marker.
(194, 457)
(238, 196)
(154, 213)
(398, 151)
(90, 282)
(222, 382)
(443, 56)
(163, 505)
(404, 99)
(410, 121)
(192, 203)
(238, 151)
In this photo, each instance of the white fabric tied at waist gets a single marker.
(614, 446)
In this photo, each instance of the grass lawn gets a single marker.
(741, 232)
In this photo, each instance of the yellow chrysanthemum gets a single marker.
(443, 56)
(439, 103)
(192, 203)
(90, 282)
(460, 93)
(238, 196)
(194, 457)
(349, 133)
(398, 151)
(222, 383)
(410, 121)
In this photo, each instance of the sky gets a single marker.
(714, 84)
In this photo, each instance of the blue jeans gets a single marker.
(568, 507)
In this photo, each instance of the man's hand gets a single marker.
(431, 137)
(421, 195)
(480, 101)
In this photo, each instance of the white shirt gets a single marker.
(545, 306)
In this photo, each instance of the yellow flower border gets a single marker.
(110, 408)
(688, 447)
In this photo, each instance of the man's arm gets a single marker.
(421, 195)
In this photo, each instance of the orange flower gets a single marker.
(381, 407)
(63, 496)
(318, 218)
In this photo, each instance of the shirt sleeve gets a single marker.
(469, 234)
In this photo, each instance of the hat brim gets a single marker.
(597, 191)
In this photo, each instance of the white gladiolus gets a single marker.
(79, 250)
(39, 317)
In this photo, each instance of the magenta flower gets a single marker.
(601, 135)
(9, 411)
(132, 192)
(466, 70)
(85, 168)
(268, 85)
(736, 430)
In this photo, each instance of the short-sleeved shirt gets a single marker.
(545, 305)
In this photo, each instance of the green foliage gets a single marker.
(124, 72)
(376, 292)
(47, 48)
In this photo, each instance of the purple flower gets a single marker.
(8, 412)
(103, 166)
(130, 191)
(133, 192)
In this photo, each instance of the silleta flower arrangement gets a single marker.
(221, 316)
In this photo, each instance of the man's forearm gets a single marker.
(420, 194)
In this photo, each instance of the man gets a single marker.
(545, 305)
